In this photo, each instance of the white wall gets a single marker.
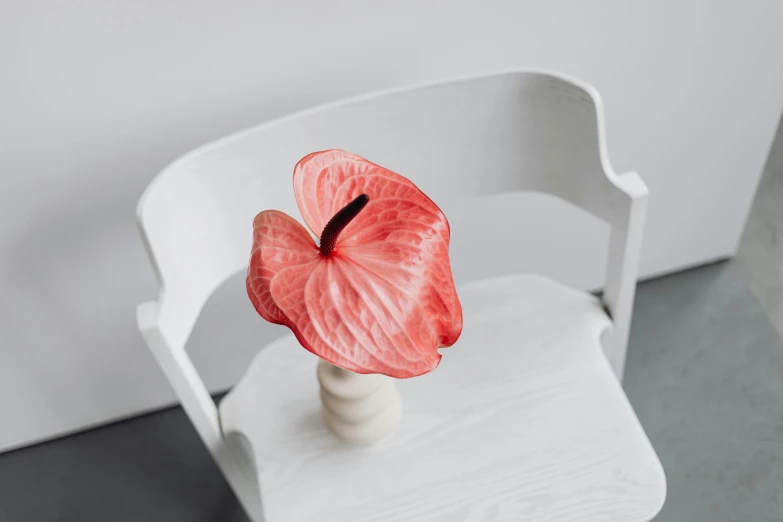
(96, 97)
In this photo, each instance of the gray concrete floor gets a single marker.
(152, 468)
(705, 375)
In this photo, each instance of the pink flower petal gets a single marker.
(280, 243)
(383, 300)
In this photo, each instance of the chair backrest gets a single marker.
(516, 131)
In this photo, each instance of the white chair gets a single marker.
(523, 420)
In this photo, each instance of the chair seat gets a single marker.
(522, 420)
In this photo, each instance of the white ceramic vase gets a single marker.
(359, 409)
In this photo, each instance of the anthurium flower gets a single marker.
(377, 295)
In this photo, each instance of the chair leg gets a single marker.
(234, 462)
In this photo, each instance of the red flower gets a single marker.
(377, 296)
